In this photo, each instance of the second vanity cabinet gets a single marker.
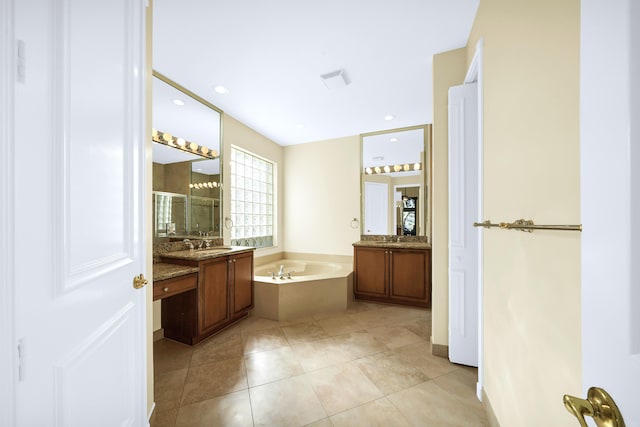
(223, 295)
(394, 274)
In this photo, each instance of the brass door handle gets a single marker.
(139, 282)
(599, 405)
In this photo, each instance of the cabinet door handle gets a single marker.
(165, 289)
(234, 260)
(230, 261)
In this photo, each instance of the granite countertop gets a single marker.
(163, 271)
(204, 254)
(391, 244)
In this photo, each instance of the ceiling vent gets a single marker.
(335, 79)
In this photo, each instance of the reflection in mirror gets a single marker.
(186, 163)
(394, 182)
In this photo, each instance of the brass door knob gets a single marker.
(599, 405)
(139, 282)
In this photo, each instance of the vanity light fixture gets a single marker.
(205, 185)
(166, 138)
(395, 168)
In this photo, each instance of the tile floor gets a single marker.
(369, 366)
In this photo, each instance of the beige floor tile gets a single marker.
(322, 353)
(170, 355)
(218, 347)
(374, 318)
(379, 413)
(461, 383)
(164, 418)
(429, 404)
(394, 336)
(295, 321)
(419, 356)
(229, 410)
(339, 325)
(168, 388)
(322, 423)
(359, 344)
(390, 373)
(304, 332)
(360, 306)
(343, 387)
(263, 340)
(273, 365)
(290, 402)
(252, 323)
(420, 326)
(214, 379)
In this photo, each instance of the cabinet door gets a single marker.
(241, 279)
(370, 272)
(213, 307)
(408, 275)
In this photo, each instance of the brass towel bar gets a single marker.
(527, 226)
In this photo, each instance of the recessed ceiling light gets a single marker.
(221, 90)
(389, 117)
(394, 140)
(179, 102)
(300, 126)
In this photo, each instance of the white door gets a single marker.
(610, 200)
(79, 163)
(376, 208)
(463, 212)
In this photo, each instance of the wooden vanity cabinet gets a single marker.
(240, 269)
(224, 294)
(213, 295)
(393, 275)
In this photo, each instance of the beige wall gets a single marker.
(238, 134)
(449, 69)
(531, 160)
(322, 193)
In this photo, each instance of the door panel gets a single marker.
(213, 294)
(610, 200)
(371, 272)
(408, 275)
(376, 208)
(463, 211)
(79, 116)
(242, 282)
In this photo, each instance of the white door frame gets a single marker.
(474, 74)
(7, 315)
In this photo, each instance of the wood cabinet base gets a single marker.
(393, 275)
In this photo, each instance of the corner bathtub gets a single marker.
(315, 287)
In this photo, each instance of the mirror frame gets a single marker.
(208, 104)
(427, 162)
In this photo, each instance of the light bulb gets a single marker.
(387, 169)
(204, 150)
(368, 171)
(377, 169)
(181, 142)
(193, 146)
(416, 167)
(397, 168)
(406, 168)
(167, 136)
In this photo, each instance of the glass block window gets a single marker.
(251, 199)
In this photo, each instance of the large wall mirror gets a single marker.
(186, 163)
(395, 177)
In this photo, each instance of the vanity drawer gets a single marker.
(168, 287)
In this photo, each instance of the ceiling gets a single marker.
(270, 54)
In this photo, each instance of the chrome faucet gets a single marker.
(188, 243)
(281, 272)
